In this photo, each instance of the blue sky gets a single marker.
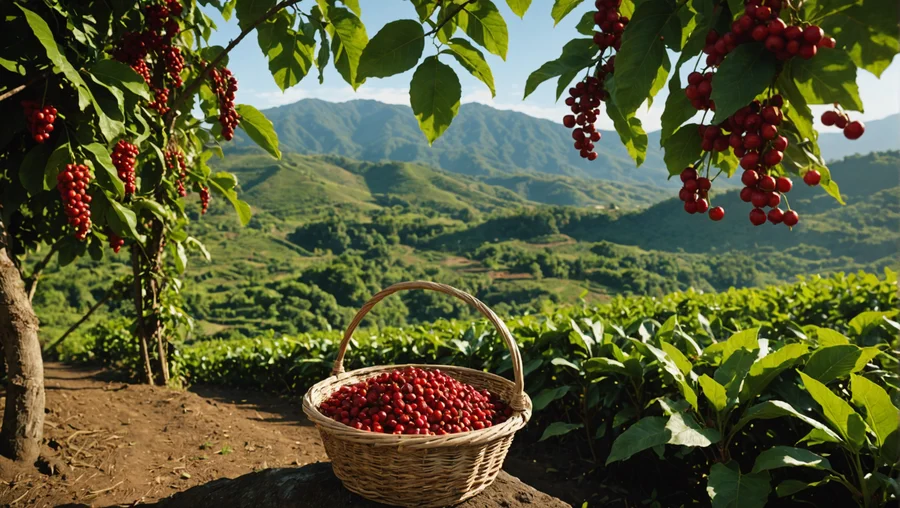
(533, 40)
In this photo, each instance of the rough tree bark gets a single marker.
(23, 417)
(156, 331)
(139, 310)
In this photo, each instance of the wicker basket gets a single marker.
(414, 470)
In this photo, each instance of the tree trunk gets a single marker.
(23, 418)
(153, 285)
(139, 310)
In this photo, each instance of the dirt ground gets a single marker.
(112, 443)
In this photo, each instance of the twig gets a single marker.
(79, 432)
(95, 492)
(32, 280)
(195, 84)
(450, 16)
(106, 297)
(28, 83)
(16, 500)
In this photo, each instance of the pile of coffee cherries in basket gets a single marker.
(415, 401)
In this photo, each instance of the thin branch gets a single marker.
(195, 84)
(449, 17)
(32, 280)
(28, 83)
(109, 294)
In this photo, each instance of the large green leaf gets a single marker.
(684, 365)
(434, 94)
(841, 416)
(791, 487)
(729, 488)
(291, 53)
(687, 432)
(259, 128)
(776, 409)
(827, 337)
(669, 365)
(642, 57)
(224, 184)
(473, 61)
(745, 339)
(484, 24)
(745, 73)
(868, 33)
(562, 8)
(60, 156)
(864, 322)
(767, 368)
(682, 149)
(107, 176)
(630, 131)
(787, 456)
(881, 414)
(548, 395)
(829, 363)
(678, 110)
(576, 55)
(648, 432)
(249, 11)
(828, 78)
(604, 365)
(348, 41)
(732, 372)
(114, 73)
(396, 48)
(122, 220)
(558, 429)
(519, 7)
(31, 171)
(714, 392)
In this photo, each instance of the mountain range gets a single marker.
(493, 144)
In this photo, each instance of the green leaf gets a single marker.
(179, 256)
(473, 61)
(787, 456)
(745, 339)
(353, 5)
(228, 9)
(548, 395)
(729, 488)
(290, 53)
(248, 11)
(745, 73)
(643, 53)
(31, 171)
(434, 94)
(864, 322)
(868, 33)
(714, 392)
(766, 369)
(671, 367)
(396, 48)
(881, 414)
(828, 78)
(122, 220)
(684, 365)
(827, 337)
(558, 429)
(519, 7)
(847, 421)
(682, 149)
(687, 432)
(348, 42)
(197, 245)
(791, 487)
(424, 8)
(624, 416)
(576, 55)
(648, 432)
(562, 8)
(482, 22)
(630, 131)
(565, 363)
(586, 24)
(678, 110)
(732, 372)
(259, 128)
(866, 355)
(57, 160)
(820, 436)
(113, 73)
(107, 176)
(603, 366)
(829, 363)
(219, 182)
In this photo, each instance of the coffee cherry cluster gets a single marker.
(204, 200)
(40, 120)
(584, 100)
(415, 401)
(115, 241)
(761, 23)
(175, 162)
(225, 86)
(699, 90)
(611, 24)
(839, 119)
(123, 158)
(694, 192)
(174, 64)
(160, 100)
(72, 184)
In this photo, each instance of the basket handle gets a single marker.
(515, 356)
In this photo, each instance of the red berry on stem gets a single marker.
(791, 218)
(717, 213)
(776, 215)
(746, 194)
(854, 130)
(750, 177)
(688, 174)
(812, 177)
(812, 34)
(757, 217)
(783, 184)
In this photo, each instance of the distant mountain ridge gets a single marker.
(493, 143)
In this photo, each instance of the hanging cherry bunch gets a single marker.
(123, 158)
(852, 130)
(40, 120)
(611, 24)
(225, 86)
(204, 200)
(72, 184)
(175, 162)
(115, 241)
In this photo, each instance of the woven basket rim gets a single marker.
(515, 422)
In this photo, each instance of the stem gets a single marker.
(106, 297)
(449, 17)
(14, 91)
(862, 480)
(139, 308)
(587, 424)
(31, 282)
(195, 84)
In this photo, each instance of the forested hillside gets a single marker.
(327, 232)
